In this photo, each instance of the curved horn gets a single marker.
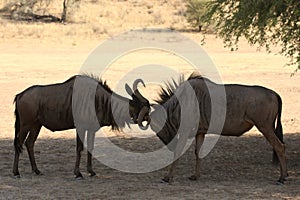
(128, 89)
(136, 82)
(136, 91)
(141, 116)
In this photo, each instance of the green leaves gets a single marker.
(263, 23)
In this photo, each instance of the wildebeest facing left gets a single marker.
(63, 106)
(246, 106)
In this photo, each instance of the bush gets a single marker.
(28, 6)
(38, 10)
(195, 11)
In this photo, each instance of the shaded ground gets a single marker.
(236, 168)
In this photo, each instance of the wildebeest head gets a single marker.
(177, 104)
(165, 118)
(139, 108)
(163, 125)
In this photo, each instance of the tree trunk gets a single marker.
(199, 28)
(64, 13)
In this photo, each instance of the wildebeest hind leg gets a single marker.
(90, 148)
(279, 149)
(33, 134)
(169, 177)
(80, 135)
(275, 160)
(18, 147)
(199, 141)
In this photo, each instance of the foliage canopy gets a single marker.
(262, 22)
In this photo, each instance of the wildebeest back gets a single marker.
(51, 105)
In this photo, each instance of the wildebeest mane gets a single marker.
(170, 87)
(101, 82)
(106, 103)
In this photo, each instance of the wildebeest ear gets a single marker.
(128, 89)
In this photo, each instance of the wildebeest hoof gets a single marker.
(79, 178)
(167, 180)
(193, 178)
(17, 176)
(279, 182)
(37, 172)
(163, 181)
(92, 174)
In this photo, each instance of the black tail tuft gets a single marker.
(18, 146)
(278, 130)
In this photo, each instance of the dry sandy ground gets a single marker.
(237, 168)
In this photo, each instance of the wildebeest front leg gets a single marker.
(90, 148)
(80, 135)
(199, 141)
(180, 144)
(33, 134)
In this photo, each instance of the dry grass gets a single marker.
(95, 19)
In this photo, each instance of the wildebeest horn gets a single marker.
(136, 82)
(128, 89)
(136, 91)
(141, 116)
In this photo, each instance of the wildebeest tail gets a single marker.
(18, 146)
(278, 130)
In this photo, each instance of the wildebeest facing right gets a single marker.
(72, 104)
(246, 106)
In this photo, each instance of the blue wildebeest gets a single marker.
(82, 102)
(246, 106)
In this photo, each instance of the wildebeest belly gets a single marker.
(56, 120)
(236, 128)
